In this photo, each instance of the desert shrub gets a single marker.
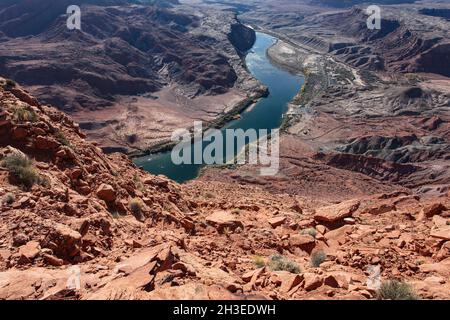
(10, 83)
(258, 261)
(132, 138)
(8, 198)
(396, 290)
(136, 207)
(236, 211)
(227, 231)
(44, 181)
(21, 167)
(23, 114)
(138, 183)
(279, 263)
(317, 257)
(209, 195)
(115, 214)
(311, 231)
(303, 89)
(60, 136)
(414, 77)
(15, 161)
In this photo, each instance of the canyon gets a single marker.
(364, 179)
(127, 63)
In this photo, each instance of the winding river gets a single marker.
(267, 113)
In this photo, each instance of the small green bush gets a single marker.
(8, 199)
(258, 261)
(136, 207)
(62, 139)
(236, 211)
(10, 83)
(138, 182)
(29, 176)
(116, 215)
(21, 167)
(132, 138)
(227, 231)
(209, 195)
(317, 257)
(14, 161)
(396, 290)
(23, 114)
(279, 263)
(311, 231)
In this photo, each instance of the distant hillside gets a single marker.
(349, 3)
(124, 50)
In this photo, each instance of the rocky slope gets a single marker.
(124, 49)
(136, 236)
(349, 3)
(410, 39)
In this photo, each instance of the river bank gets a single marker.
(266, 113)
(219, 122)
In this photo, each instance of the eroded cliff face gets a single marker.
(411, 38)
(129, 65)
(242, 37)
(349, 3)
(398, 46)
(130, 235)
(126, 50)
